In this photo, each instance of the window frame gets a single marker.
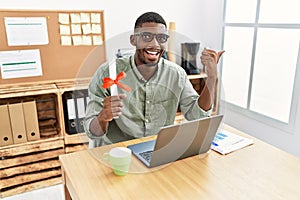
(287, 127)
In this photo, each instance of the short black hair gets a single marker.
(149, 17)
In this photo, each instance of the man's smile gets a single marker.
(152, 54)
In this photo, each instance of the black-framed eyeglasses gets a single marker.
(148, 37)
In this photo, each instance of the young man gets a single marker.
(158, 87)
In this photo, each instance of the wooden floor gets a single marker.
(50, 193)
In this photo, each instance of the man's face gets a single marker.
(150, 42)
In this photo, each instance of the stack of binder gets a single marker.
(19, 123)
(75, 103)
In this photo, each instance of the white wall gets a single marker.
(193, 17)
(195, 20)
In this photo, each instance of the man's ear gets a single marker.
(132, 40)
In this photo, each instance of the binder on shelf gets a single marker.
(74, 103)
(80, 114)
(31, 121)
(17, 122)
(80, 110)
(69, 113)
(87, 98)
(5, 128)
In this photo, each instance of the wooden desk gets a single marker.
(260, 171)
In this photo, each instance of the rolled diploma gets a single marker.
(113, 75)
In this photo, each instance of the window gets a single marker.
(259, 68)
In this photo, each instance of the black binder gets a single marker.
(74, 103)
(80, 106)
(69, 113)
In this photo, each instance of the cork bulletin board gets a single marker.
(74, 44)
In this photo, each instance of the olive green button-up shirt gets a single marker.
(150, 104)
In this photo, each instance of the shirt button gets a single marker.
(147, 102)
(146, 120)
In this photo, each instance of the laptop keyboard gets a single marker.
(146, 155)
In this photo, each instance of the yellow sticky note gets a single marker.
(77, 40)
(76, 29)
(75, 18)
(97, 40)
(86, 40)
(66, 40)
(63, 18)
(86, 28)
(95, 18)
(85, 17)
(64, 30)
(96, 28)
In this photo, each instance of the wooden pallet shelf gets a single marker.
(33, 165)
(31, 186)
(76, 142)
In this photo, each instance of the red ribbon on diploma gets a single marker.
(107, 82)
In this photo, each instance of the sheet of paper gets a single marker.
(20, 63)
(85, 17)
(95, 18)
(86, 29)
(77, 40)
(22, 31)
(76, 29)
(96, 28)
(226, 142)
(63, 18)
(66, 40)
(86, 40)
(64, 30)
(75, 18)
(97, 40)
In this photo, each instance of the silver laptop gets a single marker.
(178, 141)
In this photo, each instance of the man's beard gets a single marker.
(148, 64)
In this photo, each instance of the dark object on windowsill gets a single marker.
(189, 53)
